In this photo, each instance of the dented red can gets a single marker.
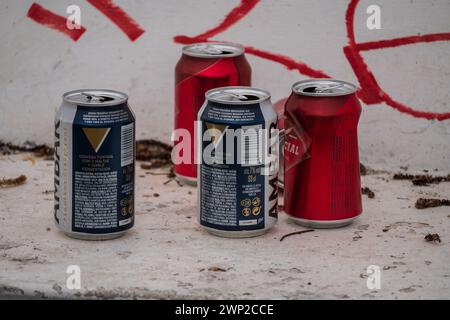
(202, 66)
(322, 179)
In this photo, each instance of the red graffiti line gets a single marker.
(370, 92)
(49, 19)
(236, 14)
(119, 17)
(286, 61)
(391, 43)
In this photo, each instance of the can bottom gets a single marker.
(187, 180)
(94, 237)
(235, 234)
(323, 224)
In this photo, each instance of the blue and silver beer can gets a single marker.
(94, 164)
(237, 152)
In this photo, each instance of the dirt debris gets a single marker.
(405, 224)
(157, 154)
(433, 237)
(368, 192)
(423, 203)
(216, 269)
(13, 182)
(154, 164)
(421, 179)
(40, 150)
(43, 151)
(295, 233)
(362, 169)
(172, 177)
(10, 291)
(357, 236)
(365, 170)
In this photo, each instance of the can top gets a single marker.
(213, 50)
(237, 95)
(323, 88)
(95, 97)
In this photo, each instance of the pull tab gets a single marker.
(240, 97)
(250, 97)
(94, 98)
(323, 88)
(212, 50)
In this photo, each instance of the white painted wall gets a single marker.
(37, 65)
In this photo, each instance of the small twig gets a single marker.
(158, 173)
(168, 181)
(295, 233)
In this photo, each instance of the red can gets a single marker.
(203, 66)
(322, 179)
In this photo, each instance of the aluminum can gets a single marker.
(322, 188)
(237, 184)
(94, 164)
(202, 66)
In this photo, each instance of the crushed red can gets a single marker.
(322, 187)
(202, 67)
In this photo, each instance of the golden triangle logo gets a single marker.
(96, 136)
(215, 136)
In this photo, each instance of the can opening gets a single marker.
(248, 97)
(95, 97)
(91, 97)
(323, 87)
(219, 52)
(310, 89)
(213, 50)
(237, 95)
(328, 88)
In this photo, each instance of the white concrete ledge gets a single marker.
(167, 255)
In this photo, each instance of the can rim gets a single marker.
(264, 95)
(299, 85)
(237, 50)
(119, 97)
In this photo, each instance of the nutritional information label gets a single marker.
(95, 203)
(105, 117)
(218, 196)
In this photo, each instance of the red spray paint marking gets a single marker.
(391, 43)
(286, 61)
(49, 19)
(119, 17)
(370, 92)
(234, 16)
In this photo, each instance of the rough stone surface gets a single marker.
(167, 255)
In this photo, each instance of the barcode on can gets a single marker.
(252, 143)
(127, 145)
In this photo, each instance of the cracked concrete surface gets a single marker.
(167, 255)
